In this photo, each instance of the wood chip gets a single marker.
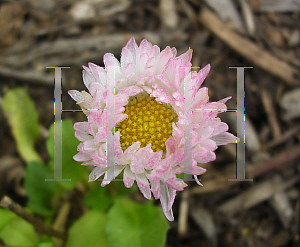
(248, 16)
(168, 14)
(227, 11)
(283, 207)
(269, 108)
(249, 50)
(256, 194)
(205, 221)
(290, 102)
(279, 5)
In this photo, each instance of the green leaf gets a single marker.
(70, 168)
(88, 231)
(132, 224)
(23, 120)
(99, 198)
(6, 217)
(119, 188)
(16, 231)
(38, 190)
(45, 244)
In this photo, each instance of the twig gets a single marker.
(38, 224)
(282, 138)
(183, 213)
(283, 158)
(248, 15)
(268, 105)
(248, 49)
(60, 221)
(256, 194)
(95, 44)
(29, 76)
(189, 13)
(220, 182)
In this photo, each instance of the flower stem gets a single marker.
(38, 224)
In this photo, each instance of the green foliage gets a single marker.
(15, 231)
(39, 191)
(88, 231)
(113, 220)
(99, 198)
(132, 224)
(70, 168)
(45, 244)
(23, 119)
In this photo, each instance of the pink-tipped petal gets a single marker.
(96, 173)
(128, 177)
(143, 185)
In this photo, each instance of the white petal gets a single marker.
(80, 157)
(197, 180)
(165, 199)
(75, 95)
(225, 138)
(96, 173)
(81, 127)
(99, 73)
(83, 136)
(88, 78)
(116, 171)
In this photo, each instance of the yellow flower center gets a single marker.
(148, 122)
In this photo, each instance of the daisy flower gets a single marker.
(148, 117)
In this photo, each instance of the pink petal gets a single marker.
(153, 160)
(136, 166)
(126, 57)
(131, 150)
(202, 74)
(143, 185)
(155, 188)
(101, 136)
(131, 91)
(178, 96)
(132, 46)
(128, 177)
(117, 146)
(162, 59)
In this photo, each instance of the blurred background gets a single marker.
(263, 34)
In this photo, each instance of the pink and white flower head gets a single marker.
(148, 116)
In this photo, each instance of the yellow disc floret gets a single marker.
(148, 122)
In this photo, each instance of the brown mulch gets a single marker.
(262, 34)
